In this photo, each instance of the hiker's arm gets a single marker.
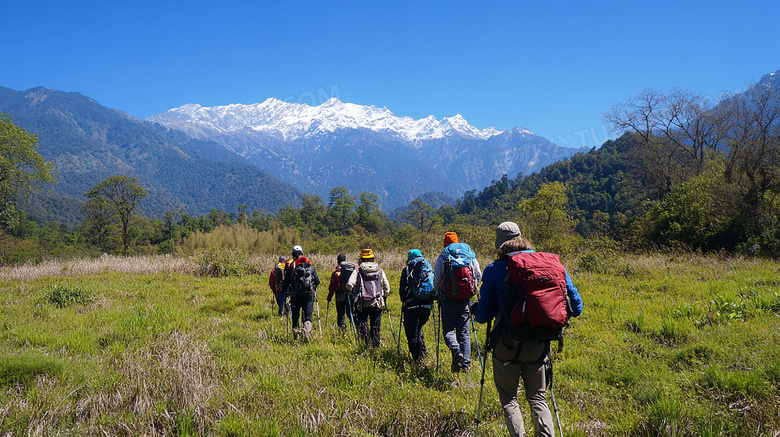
(402, 285)
(334, 284)
(477, 271)
(316, 279)
(438, 271)
(272, 280)
(385, 284)
(574, 297)
(489, 301)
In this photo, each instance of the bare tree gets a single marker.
(753, 139)
(677, 132)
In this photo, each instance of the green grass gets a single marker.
(665, 347)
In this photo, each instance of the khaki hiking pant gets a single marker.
(507, 375)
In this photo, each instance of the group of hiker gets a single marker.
(529, 294)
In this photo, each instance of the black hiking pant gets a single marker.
(373, 316)
(414, 320)
(341, 311)
(302, 304)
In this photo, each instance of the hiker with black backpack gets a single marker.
(456, 275)
(276, 283)
(369, 286)
(531, 296)
(416, 293)
(336, 288)
(302, 282)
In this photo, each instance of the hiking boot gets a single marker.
(423, 347)
(457, 358)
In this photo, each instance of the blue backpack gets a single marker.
(419, 278)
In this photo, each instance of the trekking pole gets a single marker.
(390, 319)
(437, 326)
(476, 341)
(287, 310)
(552, 395)
(351, 319)
(319, 319)
(400, 327)
(482, 380)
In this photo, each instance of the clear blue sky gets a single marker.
(551, 67)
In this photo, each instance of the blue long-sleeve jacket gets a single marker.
(492, 291)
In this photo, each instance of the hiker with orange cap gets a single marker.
(369, 286)
(456, 275)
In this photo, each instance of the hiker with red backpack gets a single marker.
(369, 286)
(416, 292)
(302, 281)
(276, 283)
(336, 288)
(531, 296)
(456, 275)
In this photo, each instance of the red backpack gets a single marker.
(536, 299)
(460, 282)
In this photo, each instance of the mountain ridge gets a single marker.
(291, 121)
(398, 158)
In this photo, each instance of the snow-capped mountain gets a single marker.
(365, 148)
(292, 121)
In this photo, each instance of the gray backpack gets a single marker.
(370, 284)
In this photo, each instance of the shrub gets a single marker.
(65, 295)
(220, 263)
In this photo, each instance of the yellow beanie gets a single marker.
(366, 253)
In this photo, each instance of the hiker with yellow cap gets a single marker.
(456, 275)
(369, 286)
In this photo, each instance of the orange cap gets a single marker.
(449, 238)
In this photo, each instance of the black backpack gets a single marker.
(347, 268)
(302, 282)
(279, 269)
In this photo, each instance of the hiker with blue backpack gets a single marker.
(369, 287)
(456, 275)
(416, 293)
(532, 297)
(302, 281)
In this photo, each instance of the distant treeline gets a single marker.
(686, 175)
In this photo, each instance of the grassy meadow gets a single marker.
(666, 346)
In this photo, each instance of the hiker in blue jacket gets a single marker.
(513, 360)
